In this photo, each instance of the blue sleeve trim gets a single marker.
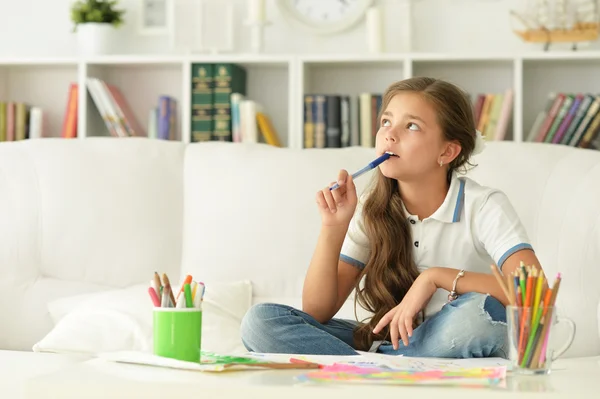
(352, 261)
(511, 251)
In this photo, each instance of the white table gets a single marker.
(98, 378)
(17, 367)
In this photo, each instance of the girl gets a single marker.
(417, 247)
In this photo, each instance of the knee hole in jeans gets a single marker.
(480, 317)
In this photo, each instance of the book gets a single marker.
(202, 102)
(309, 121)
(551, 114)
(167, 117)
(333, 121)
(540, 120)
(560, 117)
(365, 117)
(69, 126)
(3, 121)
(227, 79)
(236, 117)
(320, 120)
(578, 118)
(506, 111)
(267, 130)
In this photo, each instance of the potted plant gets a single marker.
(95, 22)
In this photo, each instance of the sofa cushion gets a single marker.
(80, 214)
(250, 210)
(555, 191)
(250, 213)
(121, 319)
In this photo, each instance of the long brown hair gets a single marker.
(390, 270)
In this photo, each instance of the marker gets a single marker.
(372, 165)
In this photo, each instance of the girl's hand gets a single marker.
(401, 317)
(337, 206)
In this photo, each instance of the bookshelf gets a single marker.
(344, 76)
(474, 76)
(279, 82)
(269, 84)
(43, 82)
(568, 75)
(140, 83)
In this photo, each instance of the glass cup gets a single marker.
(531, 347)
(178, 333)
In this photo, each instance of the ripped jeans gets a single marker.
(473, 325)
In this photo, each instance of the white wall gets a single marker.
(43, 27)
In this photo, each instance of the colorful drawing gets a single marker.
(379, 360)
(215, 358)
(209, 362)
(344, 373)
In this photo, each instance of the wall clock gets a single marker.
(324, 16)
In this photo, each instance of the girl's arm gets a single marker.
(483, 283)
(328, 281)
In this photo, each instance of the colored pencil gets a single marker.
(500, 280)
(167, 283)
(522, 276)
(528, 291)
(532, 335)
(158, 283)
(541, 331)
(511, 290)
(526, 316)
(538, 291)
(545, 334)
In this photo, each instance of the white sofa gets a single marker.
(82, 218)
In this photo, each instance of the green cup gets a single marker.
(178, 333)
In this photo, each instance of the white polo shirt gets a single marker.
(474, 227)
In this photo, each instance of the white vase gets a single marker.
(94, 38)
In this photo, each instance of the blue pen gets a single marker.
(370, 166)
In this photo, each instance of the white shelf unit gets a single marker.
(140, 83)
(350, 75)
(579, 75)
(43, 82)
(279, 82)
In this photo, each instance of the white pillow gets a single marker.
(118, 320)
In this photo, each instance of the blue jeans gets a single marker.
(473, 325)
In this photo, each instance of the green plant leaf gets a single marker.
(104, 11)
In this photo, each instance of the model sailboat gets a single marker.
(558, 21)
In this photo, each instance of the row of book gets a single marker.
(221, 109)
(250, 123)
(121, 121)
(20, 121)
(492, 113)
(117, 115)
(334, 120)
(340, 120)
(571, 119)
